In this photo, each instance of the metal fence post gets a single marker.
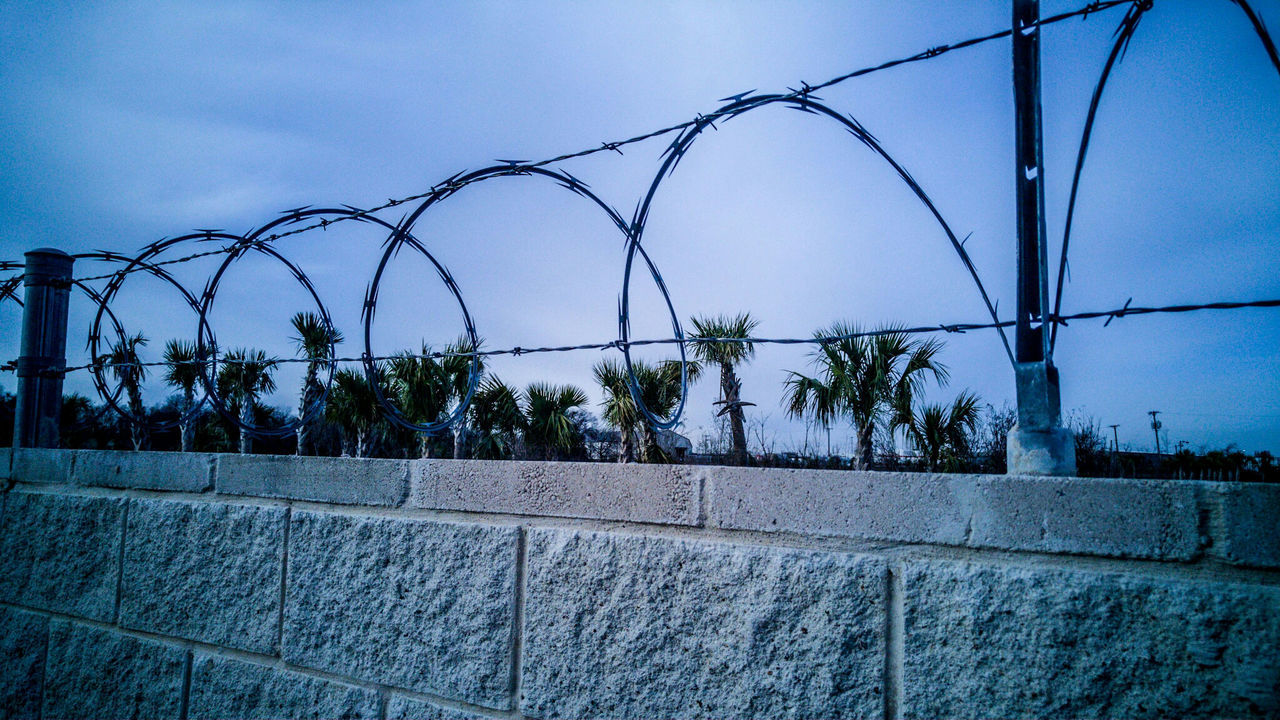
(47, 283)
(1038, 444)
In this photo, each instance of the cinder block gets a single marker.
(61, 553)
(419, 605)
(903, 507)
(23, 639)
(639, 493)
(1248, 527)
(640, 627)
(400, 707)
(183, 472)
(1113, 518)
(95, 673)
(1156, 519)
(985, 640)
(345, 481)
(204, 571)
(41, 465)
(225, 688)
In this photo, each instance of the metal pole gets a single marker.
(47, 283)
(1038, 444)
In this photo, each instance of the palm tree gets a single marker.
(427, 388)
(727, 356)
(183, 373)
(457, 375)
(420, 386)
(941, 432)
(354, 408)
(861, 378)
(550, 427)
(620, 409)
(129, 372)
(244, 377)
(495, 414)
(659, 390)
(315, 341)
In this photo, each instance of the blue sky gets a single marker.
(127, 122)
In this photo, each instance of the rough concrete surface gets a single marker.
(1032, 451)
(6, 463)
(183, 472)
(98, 674)
(61, 553)
(1118, 518)
(400, 707)
(41, 465)
(345, 481)
(226, 688)
(204, 571)
(420, 605)
(623, 626)
(608, 491)
(908, 507)
(1248, 531)
(22, 648)
(1003, 641)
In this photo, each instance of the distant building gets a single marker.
(674, 444)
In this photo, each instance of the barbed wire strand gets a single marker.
(957, 328)
(616, 146)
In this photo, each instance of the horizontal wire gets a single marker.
(701, 340)
(615, 146)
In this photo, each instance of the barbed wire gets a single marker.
(302, 220)
(805, 90)
(953, 328)
(1123, 36)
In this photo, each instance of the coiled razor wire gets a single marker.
(301, 220)
(617, 145)
(1124, 34)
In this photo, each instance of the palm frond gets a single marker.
(315, 338)
(183, 370)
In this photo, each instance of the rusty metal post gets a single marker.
(47, 284)
(1038, 444)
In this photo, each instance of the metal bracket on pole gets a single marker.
(47, 285)
(1038, 444)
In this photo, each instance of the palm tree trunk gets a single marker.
(187, 426)
(460, 439)
(310, 393)
(424, 446)
(729, 389)
(187, 432)
(626, 451)
(246, 416)
(650, 452)
(137, 428)
(865, 454)
(362, 443)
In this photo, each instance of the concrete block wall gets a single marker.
(218, 586)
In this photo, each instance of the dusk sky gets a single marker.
(127, 122)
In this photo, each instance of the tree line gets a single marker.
(872, 381)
